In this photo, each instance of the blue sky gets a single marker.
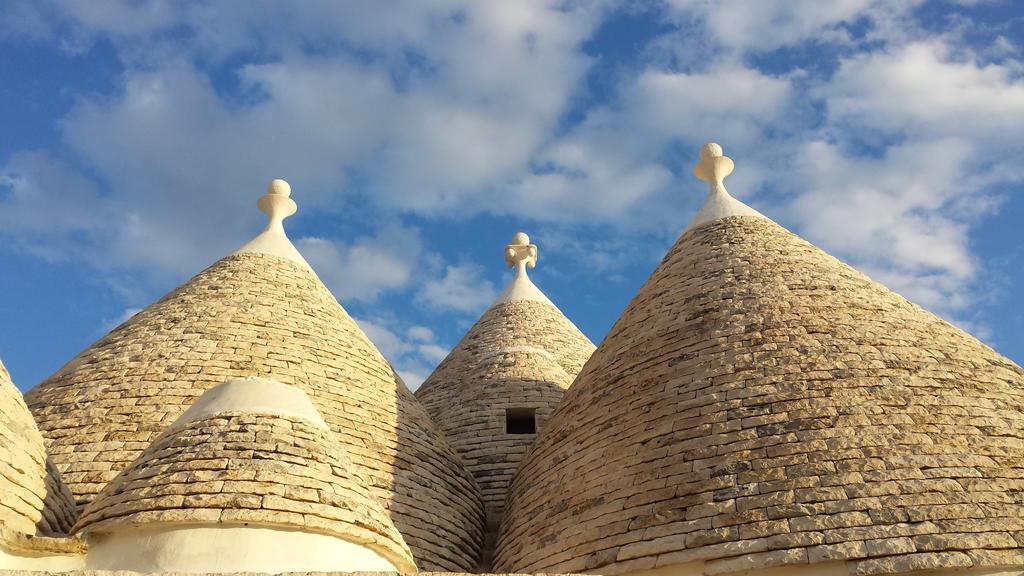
(419, 136)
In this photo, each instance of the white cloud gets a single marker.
(367, 267)
(761, 25)
(920, 90)
(120, 17)
(23, 19)
(187, 166)
(420, 333)
(610, 167)
(413, 378)
(432, 106)
(461, 289)
(389, 343)
(455, 107)
(895, 215)
(942, 130)
(49, 208)
(432, 352)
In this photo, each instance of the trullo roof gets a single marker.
(254, 452)
(522, 316)
(33, 499)
(515, 378)
(515, 362)
(262, 311)
(760, 403)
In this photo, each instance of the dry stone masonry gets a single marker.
(525, 381)
(524, 322)
(760, 408)
(33, 499)
(515, 362)
(521, 354)
(245, 468)
(254, 314)
(760, 404)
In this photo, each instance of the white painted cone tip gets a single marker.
(713, 167)
(277, 205)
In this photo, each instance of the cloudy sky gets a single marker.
(419, 136)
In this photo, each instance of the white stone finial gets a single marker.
(713, 167)
(520, 252)
(276, 202)
(277, 205)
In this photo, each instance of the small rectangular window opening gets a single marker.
(520, 421)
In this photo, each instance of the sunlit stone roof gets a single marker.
(262, 312)
(759, 403)
(250, 452)
(33, 499)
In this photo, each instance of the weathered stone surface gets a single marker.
(843, 551)
(34, 501)
(761, 384)
(30, 545)
(756, 561)
(910, 563)
(891, 546)
(521, 354)
(254, 314)
(283, 454)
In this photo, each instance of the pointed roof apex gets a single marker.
(714, 167)
(277, 205)
(521, 255)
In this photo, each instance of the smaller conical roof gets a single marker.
(497, 387)
(521, 316)
(251, 452)
(761, 404)
(33, 499)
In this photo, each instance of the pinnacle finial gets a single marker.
(276, 203)
(520, 252)
(714, 166)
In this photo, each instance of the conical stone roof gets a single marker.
(262, 311)
(522, 316)
(760, 403)
(521, 355)
(520, 381)
(33, 499)
(250, 452)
